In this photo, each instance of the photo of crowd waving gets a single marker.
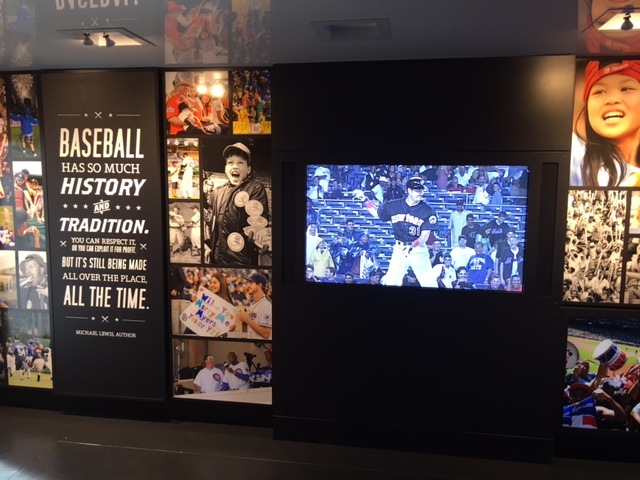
(437, 226)
(221, 302)
(594, 247)
(251, 101)
(223, 370)
(601, 388)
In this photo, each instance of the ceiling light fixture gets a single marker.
(623, 18)
(108, 41)
(98, 36)
(87, 39)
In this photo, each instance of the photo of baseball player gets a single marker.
(412, 221)
(408, 241)
(23, 117)
(237, 188)
(185, 240)
(28, 355)
(248, 290)
(183, 168)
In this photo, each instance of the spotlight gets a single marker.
(109, 42)
(87, 40)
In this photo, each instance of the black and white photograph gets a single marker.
(33, 280)
(632, 272)
(183, 168)
(634, 214)
(594, 246)
(237, 191)
(8, 275)
(185, 239)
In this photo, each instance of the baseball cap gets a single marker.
(36, 258)
(20, 176)
(580, 386)
(415, 183)
(502, 214)
(173, 6)
(236, 148)
(257, 278)
(459, 202)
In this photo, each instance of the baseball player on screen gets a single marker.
(412, 221)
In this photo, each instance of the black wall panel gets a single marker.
(427, 363)
(517, 104)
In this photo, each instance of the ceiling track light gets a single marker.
(87, 39)
(108, 41)
(615, 19)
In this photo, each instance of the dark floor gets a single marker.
(40, 444)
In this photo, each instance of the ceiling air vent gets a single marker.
(353, 30)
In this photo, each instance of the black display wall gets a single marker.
(426, 370)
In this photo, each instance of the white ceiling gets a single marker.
(420, 29)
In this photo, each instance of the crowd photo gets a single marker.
(594, 246)
(436, 226)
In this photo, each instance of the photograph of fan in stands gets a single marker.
(401, 221)
(594, 247)
(602, 372)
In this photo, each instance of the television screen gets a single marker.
(432, 226)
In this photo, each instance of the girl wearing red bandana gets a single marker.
(605, 150)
